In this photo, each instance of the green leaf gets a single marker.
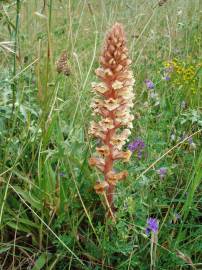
(28, 197)
(4, 249)
(41, 261)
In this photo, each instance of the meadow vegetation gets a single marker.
(50, 215)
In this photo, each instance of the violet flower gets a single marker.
(190, 140)
(162, 172)
(149, 84)
(137, 146)
(152, 225)
(167, 78)
(192, 145)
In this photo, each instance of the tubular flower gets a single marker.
(113, 101)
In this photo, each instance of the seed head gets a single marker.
(62, 64)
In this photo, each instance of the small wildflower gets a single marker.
(137, 146)
(149, 84)
(190, 140)
(152, 225)
(162, 172)
(167, 78)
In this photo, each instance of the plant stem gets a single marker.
(14, 84)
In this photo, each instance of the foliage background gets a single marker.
(50, 217)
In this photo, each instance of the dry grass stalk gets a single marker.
(114, 99)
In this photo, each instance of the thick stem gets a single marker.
(109, 166)
(110, 198)
(110, 190)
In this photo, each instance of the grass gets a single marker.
(50, 216)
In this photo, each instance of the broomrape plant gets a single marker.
(113, 101)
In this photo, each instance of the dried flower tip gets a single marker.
(103, 150)
(127, 121)
(106, 123)
(97, 162)
(127, 74)
(119, 68)
(97, 103)
(129, 82)
(117, 85)
(117, 143)
(100, 88)
(112, 177)
(111, 104)
(97, 131)
(100, 187)
(108, 72)
(118, 140)
(125, 95)
(121, 155)
(62, 64)
(100, 72)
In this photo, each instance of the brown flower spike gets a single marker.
(113, 101)
(62, 64)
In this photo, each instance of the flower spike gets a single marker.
(113, 101)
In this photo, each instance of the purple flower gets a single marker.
(167, 78)
(137, 146)
(192, 145)
(152, 225)
(162, 172)
(190, 140)
(149, 84)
